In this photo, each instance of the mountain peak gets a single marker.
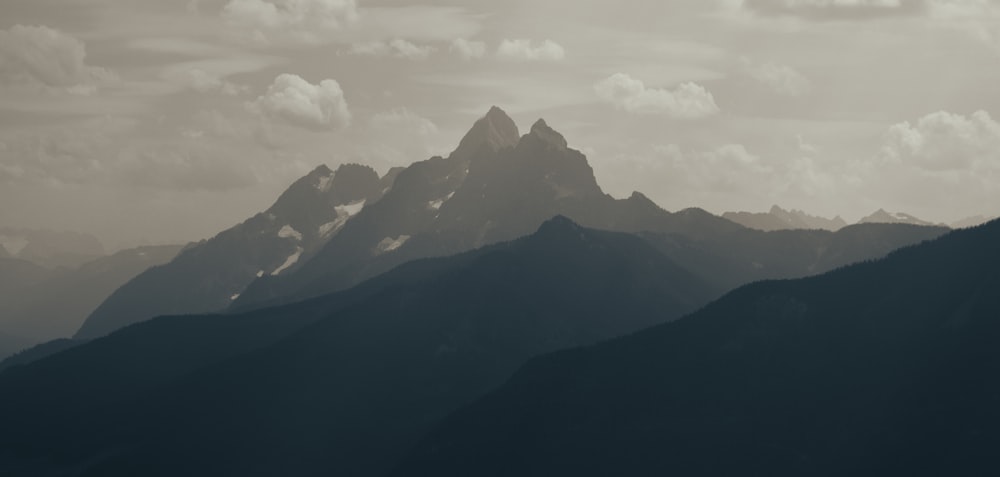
(548, 135)
(558, 225)
(495, 131)
(321, 170)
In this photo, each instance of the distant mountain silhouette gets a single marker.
(744, 256)
(497, 186)
(55, 305)
(209, 275)
(342, 384)
(781, 219)
(48, 248)
(880, 216)
(881, 368)
(16, 278)
(971, 221)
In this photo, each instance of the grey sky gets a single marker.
(171, 120)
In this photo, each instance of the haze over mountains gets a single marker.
(497, 185)
(48, 248)
(366, 325)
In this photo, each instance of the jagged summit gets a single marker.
(546, 134)
(353, 182)
(494, 131)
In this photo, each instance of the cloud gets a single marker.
(782, 79)
(686, 101)
(944, 141)
(824, 10)
(467, 49)
(939, 164)
(403, 119)
(185, 167)
(42, 55)
(204, 82)
(524, 50)
(399, 137)
(297, 102)
(397, 48)
(980, 19)
(308, 21)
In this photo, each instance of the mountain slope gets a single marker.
(882, 368)
(342, 384)
(56, 306)
(209, 275)
(497, 186)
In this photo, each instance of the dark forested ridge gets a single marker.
(344, 383)
(882, 368)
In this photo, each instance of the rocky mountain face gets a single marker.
(211, 274)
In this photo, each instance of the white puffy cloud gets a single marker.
(309, 21)
(397, 48)
(524, 50)
(944, 141)
(42, 55)
(932, 167)
(300, 103)
(468, 49)
(782, 79)
(686, 101)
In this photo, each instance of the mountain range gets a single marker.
(39, 304)
(209, 275)
(343, 383)
(495, 186)
(781, 219)
(494, 312)
(881, 368)
(49, 249)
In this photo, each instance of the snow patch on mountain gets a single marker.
(324, 183)
(436, 204)
(389, 244)
(350, 209)
(333, 227)
(289, 232)
(291, 260)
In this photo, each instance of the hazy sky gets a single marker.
(170, 120)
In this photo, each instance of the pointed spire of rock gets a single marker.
(542, 131)
(493, 131)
